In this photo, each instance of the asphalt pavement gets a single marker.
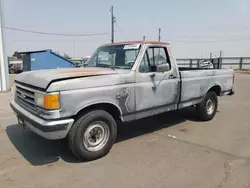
(172, 150)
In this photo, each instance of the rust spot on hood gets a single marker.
(84, 72)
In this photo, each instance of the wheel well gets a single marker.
(216, 89)
(110, 108)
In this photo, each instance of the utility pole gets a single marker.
(159, 39)
(211, 56)
(74, 41)
(4, 73)
(220, 59)
(112, 23)
(144, 37)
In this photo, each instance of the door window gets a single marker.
(154, 56)
(160, 56)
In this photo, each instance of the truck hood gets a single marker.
(43, 78)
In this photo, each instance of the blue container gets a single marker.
(44, 59)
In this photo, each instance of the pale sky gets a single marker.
(192, 27)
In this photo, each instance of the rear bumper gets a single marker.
(229, 92)
(49, 129)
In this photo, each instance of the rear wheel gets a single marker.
(93, 135)
(207, 108)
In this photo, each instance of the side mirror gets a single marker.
(163, 67)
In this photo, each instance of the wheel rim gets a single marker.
(96, 136)
(210, 107)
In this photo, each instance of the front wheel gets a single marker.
(93, 135)
(207, 108)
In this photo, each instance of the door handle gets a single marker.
(171, 76)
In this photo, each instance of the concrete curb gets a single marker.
(242, 72)
(5, 91)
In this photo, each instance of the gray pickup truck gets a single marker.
(123, 82)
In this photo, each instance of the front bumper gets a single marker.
(49, 129)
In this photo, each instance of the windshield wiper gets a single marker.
(104, 65)
(108, 66)
(116, 67)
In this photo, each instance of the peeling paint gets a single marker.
(122, 98)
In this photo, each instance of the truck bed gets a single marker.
(195, 83)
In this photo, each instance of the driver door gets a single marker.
(156, 92)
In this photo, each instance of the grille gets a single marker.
(26, 98)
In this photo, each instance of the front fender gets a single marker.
(121, 97)
(84, 106)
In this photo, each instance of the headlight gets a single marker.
(47, 101)
(39, 99)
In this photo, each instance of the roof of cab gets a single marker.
(138, 42)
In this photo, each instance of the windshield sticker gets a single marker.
(131, 46)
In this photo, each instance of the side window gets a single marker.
(157, 56)
(160, 56)
(144, 66)
(153, 56)
(150, 52)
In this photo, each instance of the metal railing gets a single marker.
(237, 63)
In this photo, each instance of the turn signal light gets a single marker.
(51, 101)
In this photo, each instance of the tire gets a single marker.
(207, 108)
(92, 135)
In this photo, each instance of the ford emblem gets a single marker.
(23, 96)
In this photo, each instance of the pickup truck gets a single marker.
(123, 81)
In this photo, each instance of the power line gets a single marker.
(223, 29)
(119, 28)
(208, 41)
(201, 29)
(105, 33)
(56, 34)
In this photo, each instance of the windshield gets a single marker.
(115, 56)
